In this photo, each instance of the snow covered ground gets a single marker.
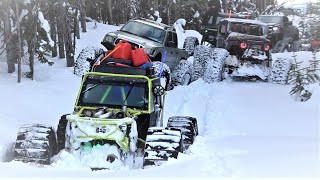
(247, 129)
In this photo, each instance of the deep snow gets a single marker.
(247, 129)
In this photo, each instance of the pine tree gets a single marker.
(301, 78)
(9, 36)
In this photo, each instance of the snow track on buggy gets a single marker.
(162, 144)
(35, 143)
(187, 125)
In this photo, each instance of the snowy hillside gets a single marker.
(247, 129)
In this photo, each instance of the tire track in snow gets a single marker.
(199, 100)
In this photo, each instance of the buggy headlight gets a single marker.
(123, 128)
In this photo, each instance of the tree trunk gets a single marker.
(8, 37)
(109, 14)
(68, 41)
(53, 28)
(83, 16)
(19, 42)
(76, 25)
(60, 28)
(168, 12)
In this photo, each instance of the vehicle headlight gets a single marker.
(149, 51)
(108, 39)
(275, 28)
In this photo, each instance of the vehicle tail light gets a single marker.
(243, 45)
(266, 47)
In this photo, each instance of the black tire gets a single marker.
(166, 73)
(295, 46)
(182, 73)
(86, 59)
(214, 69)
(280, 71)
(190, 44)
(202, 54)
(61, 133)
(35, 143)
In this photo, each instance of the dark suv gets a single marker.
(209, 29)
(246, 40)
(275, 24)
(282, 34)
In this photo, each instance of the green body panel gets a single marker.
(83, 136)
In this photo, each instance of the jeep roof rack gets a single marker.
(165, 26)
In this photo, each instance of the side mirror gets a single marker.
(158, 90)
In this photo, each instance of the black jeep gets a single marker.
(246, 40)
(209, 29)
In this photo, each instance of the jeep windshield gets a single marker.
(145, 31)
(110, 94)
(271, 19)
(246, 28)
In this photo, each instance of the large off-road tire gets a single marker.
(280, 71)
(182, 73)
(202, 55)
(86, 59)
(35, 143)
(187, 125)
(190, 44)
(214, 69)
(161, 144)
(165, 74)
(295, 46)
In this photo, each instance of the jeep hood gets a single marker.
(245, 37)
(273, 24)
(134, 39)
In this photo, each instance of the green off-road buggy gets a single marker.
(117, 121)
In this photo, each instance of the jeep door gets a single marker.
(171, 46)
